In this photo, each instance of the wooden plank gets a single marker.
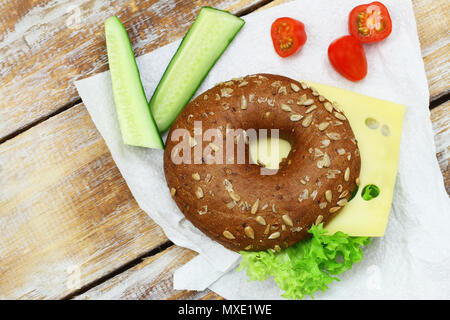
(440, 118)
(47, 45)
(152, 279)
(65, 209)
(433, 18)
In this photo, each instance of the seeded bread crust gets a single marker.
(233, 203)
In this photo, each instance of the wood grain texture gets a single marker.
(44, 46)
(47, 45)
(433, 19)
(441, 122)
(152, 279)
(440, 118)
(65, 205)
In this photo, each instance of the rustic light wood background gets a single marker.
(65, 211)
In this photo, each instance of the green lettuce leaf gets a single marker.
(307, 266)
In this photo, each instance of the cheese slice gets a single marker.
(377, 125)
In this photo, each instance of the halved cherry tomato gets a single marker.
(347, 57)
(370, 22)
(288, 36)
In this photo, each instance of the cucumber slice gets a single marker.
(206, 40)
(136, 123)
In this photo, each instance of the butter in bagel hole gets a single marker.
(269, 152)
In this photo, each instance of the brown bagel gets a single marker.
(235, 205)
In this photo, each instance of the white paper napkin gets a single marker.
(413, 259)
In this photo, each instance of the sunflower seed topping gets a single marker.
(321, 98)
(234, 196)
(296, 117)
(243, 83)
(334, 136)
(196, 176)
(275, 235)
(276, 84)
(328, 106)
(342, 202)
(203, 211)
(243, 103)
(282, 90)
(329, 195)
(173, 191)
(226, 92)
(307, 121)
(295, 87)
(287, 220)
(322, 205)
(285, 107)
(319, 219)
(347, 174)
(340, 116)
(311, 109)
(322, 126)
(304, 85)
(260, 220)
(325, 143)
(343, 194)
(249, 232)
(199, 193)
(308, 102)
(255, 207)
(303, 195)
(334, 209)
(302, 100)
(227, 234)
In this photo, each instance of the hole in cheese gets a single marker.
(385, 131)
(370, 192)
(372, 123)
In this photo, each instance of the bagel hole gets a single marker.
(370, 192)
(269, 152)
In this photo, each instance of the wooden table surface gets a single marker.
(69, 226)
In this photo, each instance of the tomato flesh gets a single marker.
(288, 36)
(370, 22)
(347, 57)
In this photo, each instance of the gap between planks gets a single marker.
(164, 246)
